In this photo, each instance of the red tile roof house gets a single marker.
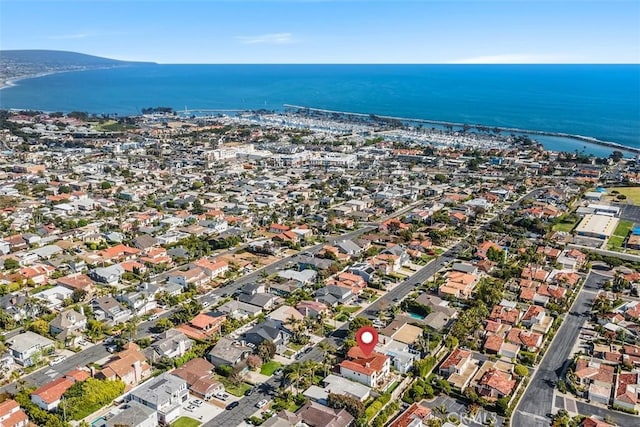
(627, 393)
(39, 273)
(369, 370)
(11, 415)
(118, 253)
(129, 365)
(77, 281)
(501, 314)
(212, 268)
(594, 422)
(48, 396)
(598, 377)
(495, 384)
(483, 248)
(531, 341)
(202, 326)
(278, 228)
(413, 416)
(493, 344)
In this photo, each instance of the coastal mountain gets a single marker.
(25, 63)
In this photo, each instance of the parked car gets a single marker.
(232, 405)
(112, 349)
(153, 317)
(222, 396)
(261, 403)
(249, 392)
(56, 360)
(197, 402)
(278, 371)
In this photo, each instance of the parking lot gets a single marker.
(630, 212)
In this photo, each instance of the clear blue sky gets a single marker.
(308, 31)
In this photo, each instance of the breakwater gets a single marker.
(462, 126)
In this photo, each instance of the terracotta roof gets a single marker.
(17, 417)
(498, 380)
(522, 337)
(77, 375)
(413, 412)
(203, 321)
(594, 371)
(505, 315)
(76, 281)
(624, 380)
(455, 357)
(493, 343)
(366, 365)
(53, 391)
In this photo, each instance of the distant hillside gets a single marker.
(24, 63)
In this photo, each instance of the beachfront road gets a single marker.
(537, 402)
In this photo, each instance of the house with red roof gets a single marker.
(370, 370)
(278, 228)
(483, 248)
(627, 391)
(495, 384)
(531, 341)
(414, 416)
(118, 253)
(506, 315)
(596, 377)
(49, 395)
(536, 319)
(130, 366)
(12, 415)
(592, 421)
(77, 281)
(202, 326)
(39, 273)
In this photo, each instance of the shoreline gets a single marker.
(581, 138)
(12, 81)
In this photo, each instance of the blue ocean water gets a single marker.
(601, 101)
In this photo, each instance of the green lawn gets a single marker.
(564, 226)
(615, 242)
(236, 390)
(270, 367)
(632, 193)
(345, 309)
(294, 346)
(623, 228)
(185, 422)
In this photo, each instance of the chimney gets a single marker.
(82, 310)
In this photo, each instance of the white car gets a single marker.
(261, 403)
(222, 396)
(57, 359)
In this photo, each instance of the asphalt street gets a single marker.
(99, 351)
(536, 403)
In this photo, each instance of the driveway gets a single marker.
(204, 413)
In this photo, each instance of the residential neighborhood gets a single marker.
(170, 270)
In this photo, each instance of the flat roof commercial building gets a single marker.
(597, 226)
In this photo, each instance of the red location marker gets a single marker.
(367, 338)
